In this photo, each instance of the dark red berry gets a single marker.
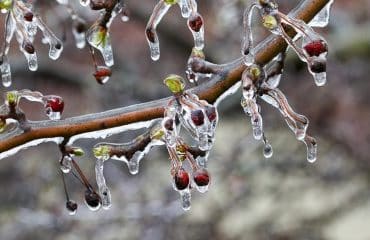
(102, 74)
(318, 66)
(201, 177)
(197, 117)
(92, 198)
(169, 124)
(71, 206)
(80, 27)
(28, 47)
(211, 113)
(150, 34)
(195, 22)
(315, 48)
(28, 16)
(55, 103)
(181, 179)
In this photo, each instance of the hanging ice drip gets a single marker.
(189, 11)
(313, 49)
(23, 23)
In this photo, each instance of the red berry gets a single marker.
(168, 124)
(28, 16)
(102, 74)
(181, 179)
(315, 48)
(195, 22)
(211, 113)
(197, 117)
(201, 177)
(55, 103)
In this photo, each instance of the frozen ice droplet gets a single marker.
(55, 50)
(267, 150)
(185, 196)
(320, 78)
(133, 163)
(6, 75)
(71, 207)
(32, 61)
(65, 164)
(322, 18)
(106, 199)
(84, 2)
(311, 145)
(154, 50)
(256, 121)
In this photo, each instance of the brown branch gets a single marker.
(230, 74)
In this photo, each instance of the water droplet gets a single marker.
(311, 145)
(267, 150)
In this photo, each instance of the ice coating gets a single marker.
(322, 18)
(100, 180)
(185, 197)
(151, 29)
(6, 75)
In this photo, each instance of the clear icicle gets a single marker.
(84, 2)
(296, 122)
(32, 61)
(103, 189)
(311, 145)
(65, 164)
(80, 38)
(151, 33)
(6, 74)
(185, 8)
(185, 196)
(322, 18)
(55, 45)
(196, 26)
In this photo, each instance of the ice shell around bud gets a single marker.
(175, 83)
(185, 199)
(102, 74)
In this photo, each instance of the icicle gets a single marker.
(297, 123)
(80, 38)
(65, 164)
(185, 8)
(151, 33)
(322, 18)
(311, 145)
(56, 46)
(32, 61)
(196, 26)
(185, 196)
(6, 74)
(103, 189)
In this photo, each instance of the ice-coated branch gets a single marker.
(224, 77)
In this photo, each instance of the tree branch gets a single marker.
(229, 74)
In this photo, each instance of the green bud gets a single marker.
(100, 36)
(269, 22)
(12, 98)
(78, 152)
(171, 2)
(175, 83)
(6, 4)
(102, 152)
(2, 125)
(157, 134)
(198, 53)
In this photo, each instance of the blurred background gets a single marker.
(250, 197)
